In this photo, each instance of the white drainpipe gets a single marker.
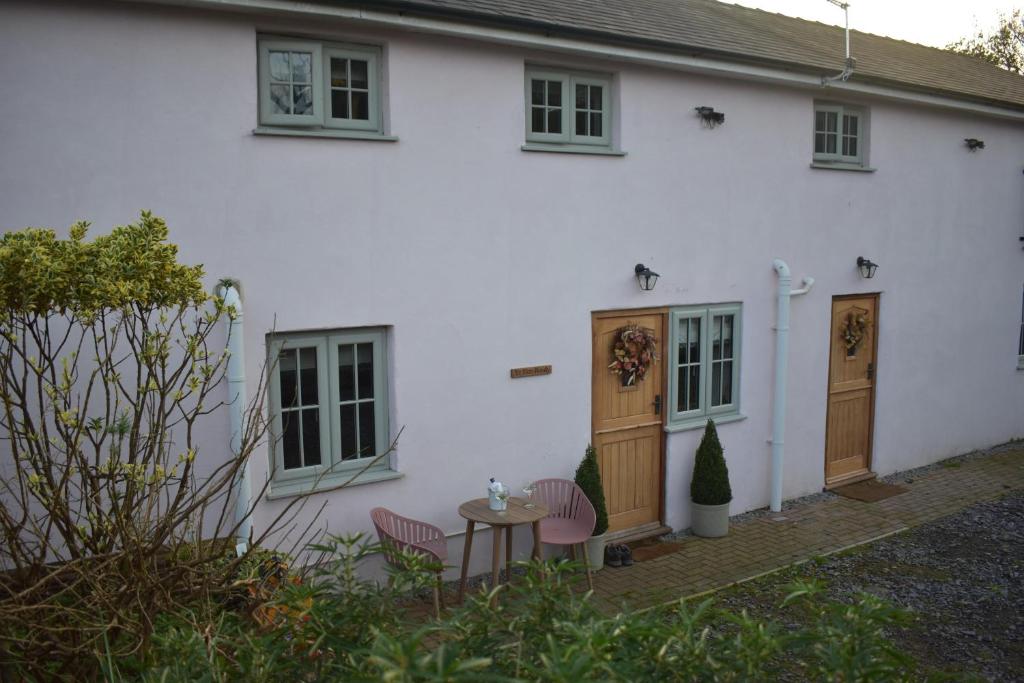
(236, 409)
(781, 359)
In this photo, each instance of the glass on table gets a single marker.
(528, 490)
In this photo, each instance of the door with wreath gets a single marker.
(628, 386)
(851, 389)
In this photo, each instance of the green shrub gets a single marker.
(588, 478)
(710, 483)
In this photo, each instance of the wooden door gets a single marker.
(851, 388)
(627, 423)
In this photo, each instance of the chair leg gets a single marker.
(572, 552)
(590, 576)
(438, 597)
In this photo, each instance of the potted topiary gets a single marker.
(709, 489)
(588, 478)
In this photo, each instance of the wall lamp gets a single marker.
(974, 144)
(645, 277)
(709, 117)
(866, 267)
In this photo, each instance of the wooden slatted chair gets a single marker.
(400, 534)
(571, 518)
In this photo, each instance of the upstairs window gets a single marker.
(568, 108)
(840, 134)
(315, 85)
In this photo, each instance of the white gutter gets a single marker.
(587, 48)
(242, 488)
(785, 293)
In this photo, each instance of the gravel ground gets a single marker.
(961, 576)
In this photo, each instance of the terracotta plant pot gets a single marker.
(709, 521)
(595, 552)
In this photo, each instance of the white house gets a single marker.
(420, 198)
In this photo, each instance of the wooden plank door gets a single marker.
(851, 388)
(627, 423)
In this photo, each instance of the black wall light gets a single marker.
(709, 117)
(974, 144)
(645, 277)
(866, 267)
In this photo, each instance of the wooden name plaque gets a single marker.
(532, 371)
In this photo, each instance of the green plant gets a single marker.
(588, 478)
(710, 483)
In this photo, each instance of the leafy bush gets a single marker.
(710, 483)
(588, 478)
(541, 628)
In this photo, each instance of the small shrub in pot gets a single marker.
(710, 492)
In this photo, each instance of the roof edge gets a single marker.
(410, 15)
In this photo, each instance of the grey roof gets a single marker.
(715, 29)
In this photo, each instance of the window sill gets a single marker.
(700, 422)
(337, 134)
(572, 149)
(289, 489)
(840, 166)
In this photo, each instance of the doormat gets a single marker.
(652, 551)
(870, 491)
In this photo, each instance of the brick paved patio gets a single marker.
(765, 542)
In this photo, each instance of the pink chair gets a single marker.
(571, 517)
(400, 534)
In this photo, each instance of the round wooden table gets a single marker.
(475, 511)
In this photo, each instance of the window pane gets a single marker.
(716, 338)
(290, 450)
(279, 67)
(695, 340)
(339, 104)
(581, 123)
(348, 431)
(819, 121)
(339, 72)
(554, 120)
(832, 121)
(367, 433)
(681, 387)
(727, 336)
(308, 377)
(581, 96)
(596, 93)
(727, 383)
(311, 436)
(684, 340)
(360, 105)
(716, 384)
(302, 67)
(303, 99)
(694, 387)
(595, 124)
(830, 144)
(554, 93)
(360, 71)
(536, 91)
(288, 377)
(850, 147)
(365, 355)
(346, 372)
(537, 120)
(280, 99)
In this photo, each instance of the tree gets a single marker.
(588, 478)
(1003, 47)
(710, 483)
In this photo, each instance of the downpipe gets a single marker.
(784, 294)
(242, 486)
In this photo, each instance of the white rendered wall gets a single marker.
(483, 257)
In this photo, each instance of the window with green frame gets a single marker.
(840, 134)
(329, 407)
(315, 85)
(704, 364)
(568, 108)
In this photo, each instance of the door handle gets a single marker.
(871, 370)
(657, 404)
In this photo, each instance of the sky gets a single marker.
(937, 23)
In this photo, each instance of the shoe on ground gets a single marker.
(613, 556)
(625, 556)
